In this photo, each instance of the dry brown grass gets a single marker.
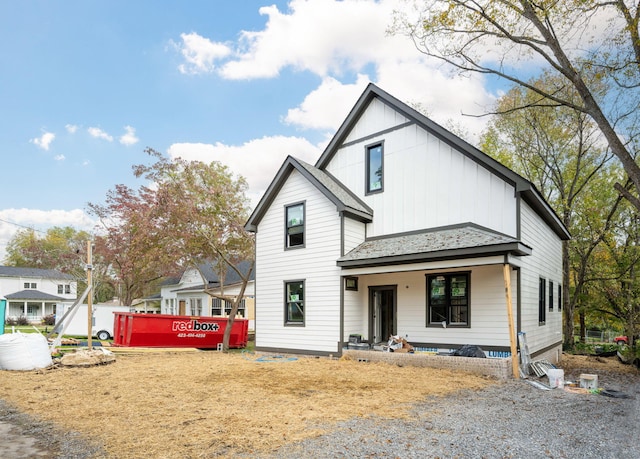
(205, 404)
(574, 365)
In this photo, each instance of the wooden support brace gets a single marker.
(512, 328)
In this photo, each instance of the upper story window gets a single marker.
(64, 288)
(375, 169)
(448, 300)
(30, 285)
(294, 215)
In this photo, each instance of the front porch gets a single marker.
(34, 312)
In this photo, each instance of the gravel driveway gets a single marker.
(513, 420)
(510, 420)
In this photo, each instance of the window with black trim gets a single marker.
(294, 302)
(294, 215)
(448, 300)
(375, 169)
(560, 297)
(550, 295)
(542, 300)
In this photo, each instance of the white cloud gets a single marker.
(200, 53)
(257, 161)
(314, 35)
(44, 141)
(328, 105)
(129, 138)
(71, 128)
(99, 134)
(59, 157)
(13, 220)
(333, 38)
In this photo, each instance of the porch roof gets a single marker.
(462, 241)
(33, 295)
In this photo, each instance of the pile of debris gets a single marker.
(87, 357)
(399, 344)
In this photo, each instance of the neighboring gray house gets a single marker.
(402, 228)
(35, 293)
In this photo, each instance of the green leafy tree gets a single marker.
(60, 248)
(617, 292)
(589, 46)
(559, 150)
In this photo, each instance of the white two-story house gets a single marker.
(35, 293)
(402, 228)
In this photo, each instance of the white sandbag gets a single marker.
(24, 351)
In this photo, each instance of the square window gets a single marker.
(375, 169)
(295, 225)
(448, 300)
(294, 303)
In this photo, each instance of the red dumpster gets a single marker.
(163, 330)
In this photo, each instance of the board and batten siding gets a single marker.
(546, 262)
(426, 183)
(315, 264)
(488, 312)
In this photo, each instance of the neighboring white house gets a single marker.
(187, 296)
(402, 228)
(35, 293)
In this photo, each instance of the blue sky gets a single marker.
(86, 86)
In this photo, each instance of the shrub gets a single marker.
(49, 320)
(22, 320)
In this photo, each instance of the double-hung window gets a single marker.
(294, 302)
(542, 300)
(294, 215)
(560, 297)
(448, 300)
(374, 169)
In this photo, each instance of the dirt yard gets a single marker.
(208, 404)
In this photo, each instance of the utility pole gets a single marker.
(89, 296)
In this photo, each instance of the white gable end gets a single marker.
(427, 183)
(378, 117)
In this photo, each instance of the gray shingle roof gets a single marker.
(336, 189)
(344, 200)
(12, 271)
(451, 242)
(33, 295)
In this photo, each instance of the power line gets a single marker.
(22, 226)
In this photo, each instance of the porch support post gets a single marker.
(512, 329)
